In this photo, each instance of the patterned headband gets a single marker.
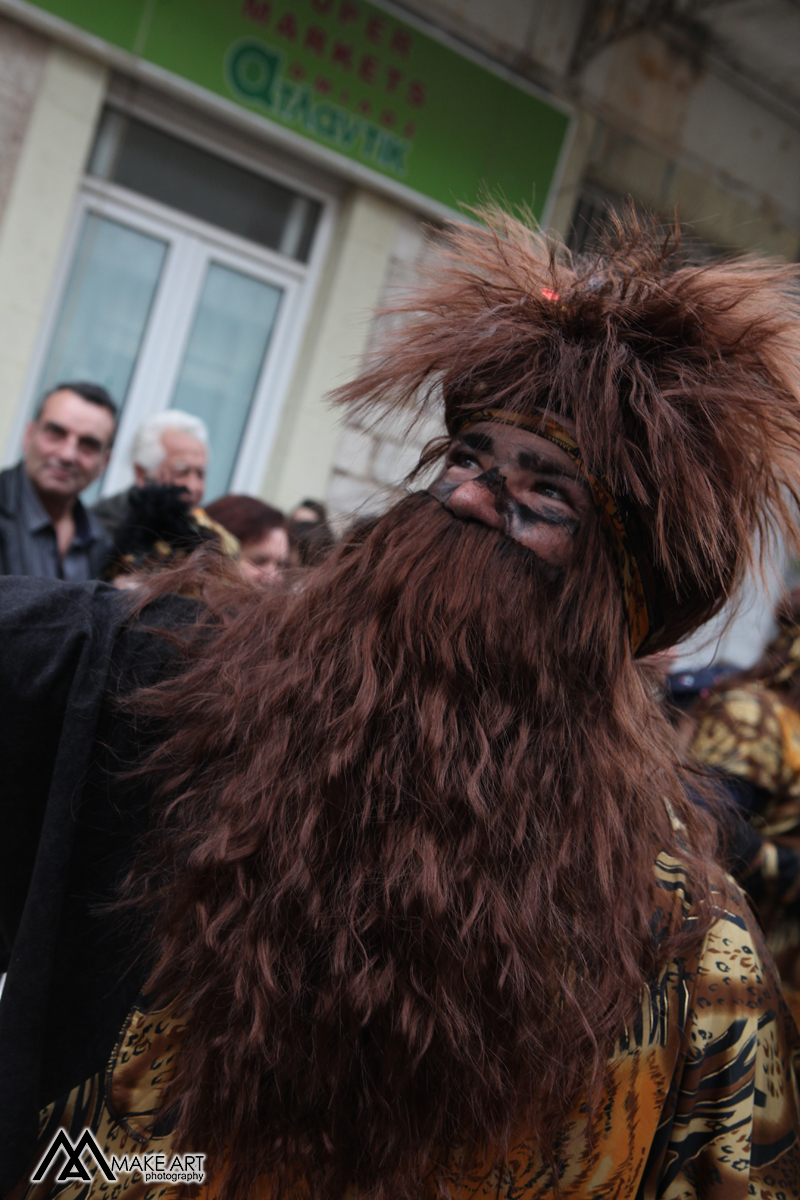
(638, 589)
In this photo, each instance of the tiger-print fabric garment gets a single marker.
(748, 732)
(700, 1102)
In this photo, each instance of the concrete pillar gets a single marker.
(334, 344)
(570, 185)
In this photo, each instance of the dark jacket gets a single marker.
(113, 511)
(70, 824)
(12, 534)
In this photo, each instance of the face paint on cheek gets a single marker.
(528, 516)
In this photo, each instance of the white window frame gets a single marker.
(182, 275)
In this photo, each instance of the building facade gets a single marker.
(202, 203)
(201, 206)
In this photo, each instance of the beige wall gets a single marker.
(40, 202)
(23, 57)
(332, 349)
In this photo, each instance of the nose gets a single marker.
(477, 500)
(195, 485)
(68, 450)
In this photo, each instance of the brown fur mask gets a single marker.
(683, 382)
(403, 879)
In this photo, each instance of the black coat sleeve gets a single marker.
(54, 649)
(69, 830)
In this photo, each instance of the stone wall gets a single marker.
(372, 460)
(708, 122)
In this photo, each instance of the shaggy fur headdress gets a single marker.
(683, 382)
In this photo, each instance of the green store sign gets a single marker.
(350, 76)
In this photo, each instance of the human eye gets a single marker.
(551, 491)
(461, 457)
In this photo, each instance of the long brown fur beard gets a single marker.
(403, 875)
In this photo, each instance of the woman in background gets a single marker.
(261, 531)
(311, 535)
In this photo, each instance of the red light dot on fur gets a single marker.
(549, 294)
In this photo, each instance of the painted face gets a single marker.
(520, 483)
(68, 446)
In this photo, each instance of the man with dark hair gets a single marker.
(44, 528)
(417, 895)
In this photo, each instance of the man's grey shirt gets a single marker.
(28, 544)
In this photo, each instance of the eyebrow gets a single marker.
(478, 441)
(85, 439)
(529, 460)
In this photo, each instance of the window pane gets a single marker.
(178, 174)
(223, 361)
(104, 312)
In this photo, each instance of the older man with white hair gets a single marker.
(170, 447)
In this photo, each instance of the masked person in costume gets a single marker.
(420, 904)
(748, 730)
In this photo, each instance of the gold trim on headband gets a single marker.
(612, 521)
